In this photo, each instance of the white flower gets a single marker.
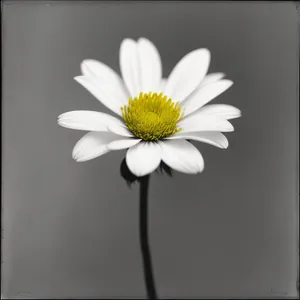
(155, 116)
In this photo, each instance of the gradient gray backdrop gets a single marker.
(71, 229)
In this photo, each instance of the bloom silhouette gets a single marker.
(154, 116)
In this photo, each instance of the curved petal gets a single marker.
(212, 77)
(92, 145)
(100, 92)
(217, 139)
(129, 65)
(204, 94)
(107, 77)
(120, 130)
(162, 85)
(187, 74)
(204, 122)
(87, 120)
(143, 158)
(123, 143)
(182, 156)
(150, 66)
(222, 110)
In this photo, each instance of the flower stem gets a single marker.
(148, 274)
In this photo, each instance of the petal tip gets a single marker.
(142, 39)
(88, 60)
(77, 78)
(204, 52)
(79, 159)
(127, 41)
(199, 170)
(229, 82)
(228, 127)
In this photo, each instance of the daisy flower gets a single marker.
(153, 116)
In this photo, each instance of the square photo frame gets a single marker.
(150, 149)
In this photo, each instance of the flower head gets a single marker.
(155, 116)
(152, 117)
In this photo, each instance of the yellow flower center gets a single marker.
(152, 116)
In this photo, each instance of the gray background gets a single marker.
(71, 229)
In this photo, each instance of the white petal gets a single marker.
(204, 122)
(100, 92)
(120, 130)
(209, 137)
(143, 158)
(187, 74)
(162, 85)
(123, 144)
(222, 110)
(87, 120)
(129, 65)
(92, 145)
(106, 76)
(182, 156)
(204, 94)
(212, 77)
(150, 66)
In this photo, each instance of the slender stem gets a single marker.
(148, 274)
